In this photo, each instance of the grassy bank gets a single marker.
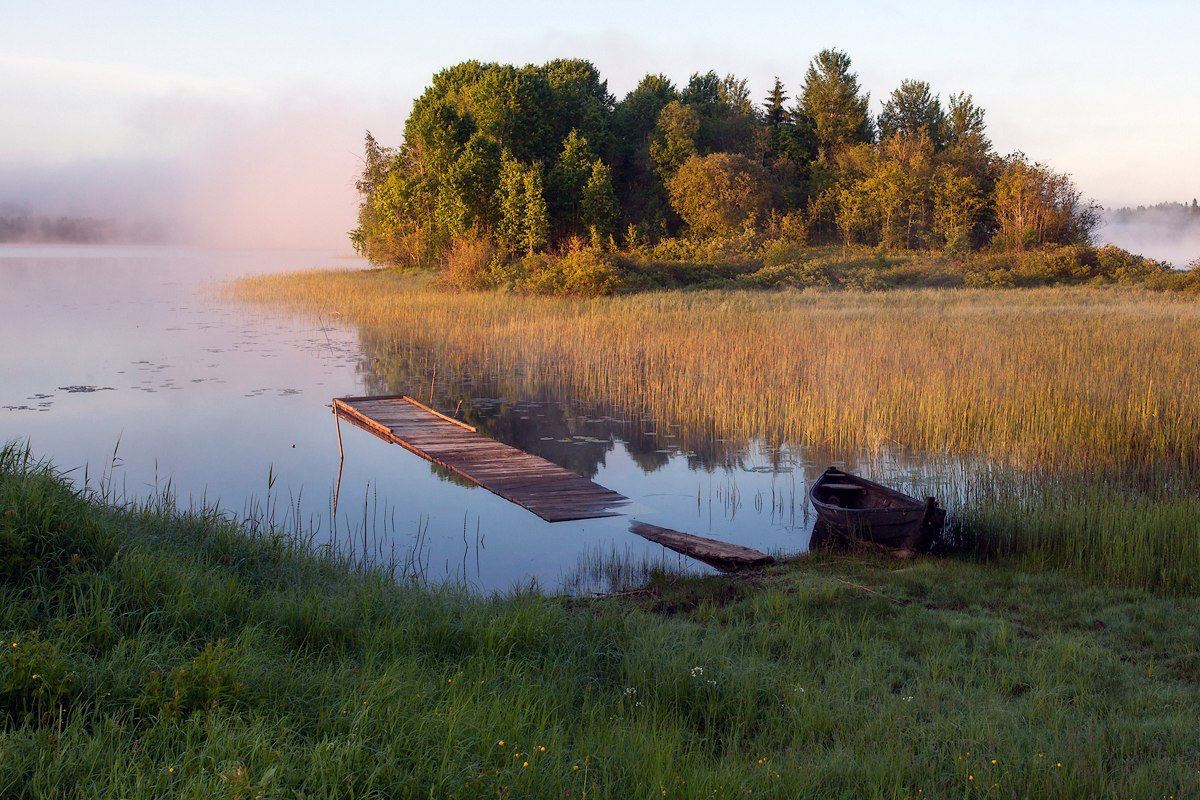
(152, 653)
(1080, 407)
(755, 261)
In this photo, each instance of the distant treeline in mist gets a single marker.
(537, 178)
(1171, 213)
(1169, 230)
(33, 228)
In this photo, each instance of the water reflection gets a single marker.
(229, 403)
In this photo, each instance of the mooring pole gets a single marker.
(337, 422)
(337, 494)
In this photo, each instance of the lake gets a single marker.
(127, 360)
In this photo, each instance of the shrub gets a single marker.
(469, 263)
(582, 271)
(1113, 263)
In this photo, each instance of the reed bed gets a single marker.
(1056, 377)
(1076, 410)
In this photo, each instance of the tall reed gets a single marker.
(1066, 377)
(1074, 414)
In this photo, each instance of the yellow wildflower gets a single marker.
(525, 765)
(500, 743)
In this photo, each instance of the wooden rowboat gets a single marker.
(851, 507)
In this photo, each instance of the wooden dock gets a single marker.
(553, 493)
(724, 556)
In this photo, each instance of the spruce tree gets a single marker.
(510, 200)
(777, 118)
(598, 205)
(537, 217)
(833, 104)
(913, 108)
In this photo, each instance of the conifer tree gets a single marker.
(510, 199)
(537, 217)
(833, 104)
(566, 181)
(911, 109)
(598, 205)
(777, 118)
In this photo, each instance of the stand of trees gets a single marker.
(507, 171)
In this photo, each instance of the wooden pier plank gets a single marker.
(553, 493)
(725, 556)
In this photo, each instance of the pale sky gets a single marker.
(128, 95)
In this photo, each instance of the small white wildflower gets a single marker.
(630, 691)
(697, 671)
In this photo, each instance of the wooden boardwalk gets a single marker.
(725, 556)
(546, 489)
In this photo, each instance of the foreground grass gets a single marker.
(150, 653)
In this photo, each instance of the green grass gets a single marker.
(149, 652)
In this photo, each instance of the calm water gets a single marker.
(132, 350)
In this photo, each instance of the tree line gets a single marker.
(506, 162)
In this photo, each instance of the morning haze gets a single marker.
(622, 400)
(193, 93)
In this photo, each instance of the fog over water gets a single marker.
(1169, 233)
(275, 173)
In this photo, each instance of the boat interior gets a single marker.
(845, 494)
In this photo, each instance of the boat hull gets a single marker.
(883, 516)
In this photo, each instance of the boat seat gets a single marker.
(844, 487)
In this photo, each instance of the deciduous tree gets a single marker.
(719, 193)
(674, 139)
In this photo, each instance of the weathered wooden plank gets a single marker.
(725, 556)
(553, 493)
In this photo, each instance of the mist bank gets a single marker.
(24, 228)
(263, 172)
(1166, 231)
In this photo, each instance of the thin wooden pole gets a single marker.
(337, 421)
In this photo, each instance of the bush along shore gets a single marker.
(153, 652)
(536, 179)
